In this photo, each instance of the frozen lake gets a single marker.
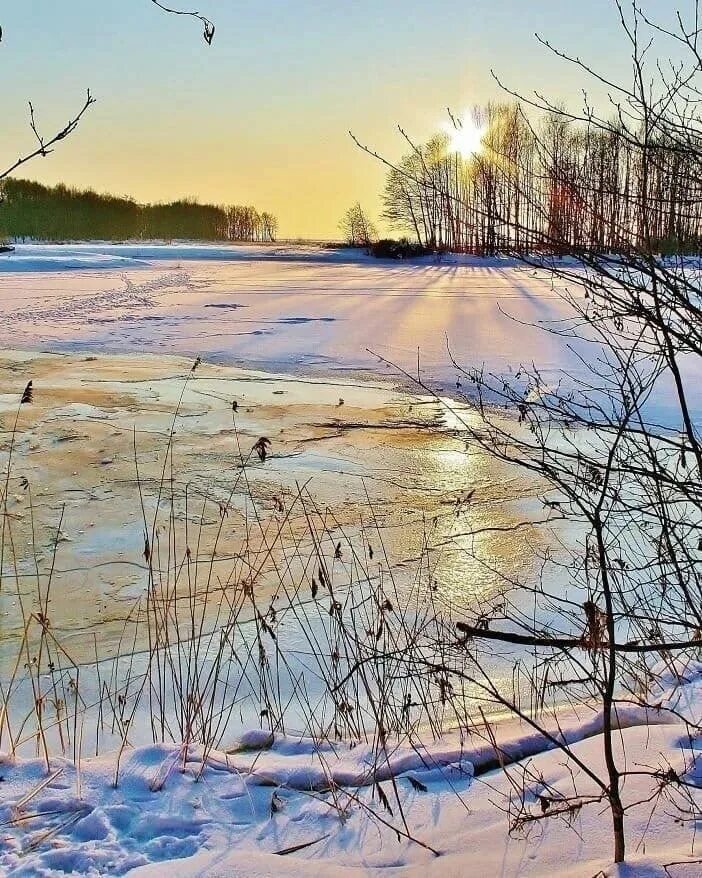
(280, 308)
(374, 456)
(379, 461)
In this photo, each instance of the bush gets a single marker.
(389, 248)
(673, 245)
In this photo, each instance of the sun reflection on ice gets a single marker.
(478, 540)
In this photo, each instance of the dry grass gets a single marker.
(312, 631)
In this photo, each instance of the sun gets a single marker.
(466, 136)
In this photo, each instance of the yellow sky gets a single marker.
(262, 116)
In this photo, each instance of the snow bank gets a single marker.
(284, 805)
(678, 688)
(96, 255)
(72, 257)
(173, 814)
(304, 764)
(38, 261)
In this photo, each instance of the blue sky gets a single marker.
(262, 116)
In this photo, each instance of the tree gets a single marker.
(269, 227)
(357, 228)
(536, 181)
(615, 451)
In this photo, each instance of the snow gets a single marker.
(300, 309)
(273, 804)
(306, 309)
(65, 257)
(69, 257)
(287, 806)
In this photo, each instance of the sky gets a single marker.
(262, 116)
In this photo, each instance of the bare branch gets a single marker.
(209, 28)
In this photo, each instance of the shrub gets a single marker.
(389, 248)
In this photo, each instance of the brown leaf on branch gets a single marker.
(594, 634)
(208, 27)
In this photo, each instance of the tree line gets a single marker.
(30, 210)
(546, 183)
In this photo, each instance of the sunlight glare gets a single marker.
(467, 137)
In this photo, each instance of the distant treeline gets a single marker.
(547, 184)
(60, 213)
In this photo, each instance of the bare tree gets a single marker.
(357, 228)
(537, 181)
(615, 449)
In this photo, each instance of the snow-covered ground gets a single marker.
(287, 806)
(294, 308)
(61, 257)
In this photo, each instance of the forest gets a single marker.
(31, 211)
(546, 184)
